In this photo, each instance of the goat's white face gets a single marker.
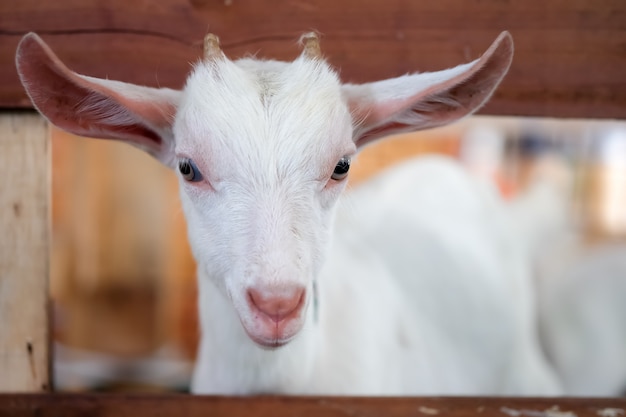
(263, 141)
(256, 144)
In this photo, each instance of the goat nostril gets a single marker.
(277, 307)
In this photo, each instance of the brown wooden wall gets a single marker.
(570, 54)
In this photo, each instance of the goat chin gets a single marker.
(267, 343)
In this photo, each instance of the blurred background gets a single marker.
(123, 279)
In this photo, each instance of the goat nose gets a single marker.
(279, 306)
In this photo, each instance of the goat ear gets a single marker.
(97, 108)
(422, 101)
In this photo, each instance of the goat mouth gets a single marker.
(272, 339)
(268, 344)
(270, 335)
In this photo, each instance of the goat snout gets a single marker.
(279, 306)
(276, 315)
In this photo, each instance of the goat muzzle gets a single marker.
(276, 317)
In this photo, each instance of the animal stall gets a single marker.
(569, 62)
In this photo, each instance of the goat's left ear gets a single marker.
(422, 101)
(86, 106)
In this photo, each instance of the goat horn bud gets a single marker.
(212, 47)
(311, 44)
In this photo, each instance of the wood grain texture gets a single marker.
(570, 54)
(24, 223)
(190, 406)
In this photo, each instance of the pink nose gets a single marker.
(278, 307)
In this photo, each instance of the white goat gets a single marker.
(580, 287)
(417, 291)
(583, 316)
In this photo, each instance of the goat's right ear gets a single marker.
(97, 108)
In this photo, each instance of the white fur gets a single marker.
(583, 312)
(421, 291)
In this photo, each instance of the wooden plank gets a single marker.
(569, 61)
(190, 406)
(24, 220)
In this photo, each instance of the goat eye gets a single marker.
(341, 169)
(189, 170)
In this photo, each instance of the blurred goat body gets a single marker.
(583, 314)
(420, 288)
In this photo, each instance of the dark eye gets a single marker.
(189, 170)
(341, 169)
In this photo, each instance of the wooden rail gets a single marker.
(191, 406)
(569, 60)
